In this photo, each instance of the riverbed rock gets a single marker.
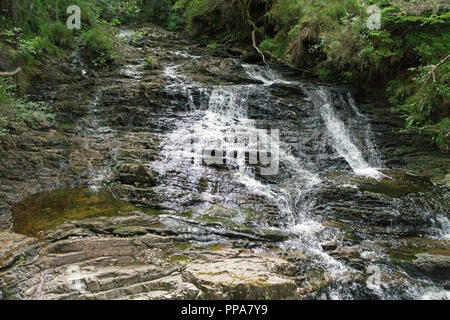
(431, 266)
(212, 70)
(13, 247)
(231, 274)
(134, 174)
(435, 266)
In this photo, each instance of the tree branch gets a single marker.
(7, 74)
(256, 47)
(433, 69)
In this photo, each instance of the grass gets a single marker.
(151, 63)
(99, 47)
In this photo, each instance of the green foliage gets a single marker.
(441, 134)
(156, 11)
(17, 112)
(202, 18)
(213, 45)
(118, 11)
(151, 63)
(193, 9)
(31, 47)
(425, 101)
(43, 28)
(61, 36)
(272, 46)
(98, 46)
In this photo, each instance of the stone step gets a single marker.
(81, 280)
(164, 284)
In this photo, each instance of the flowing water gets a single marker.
(203, 147)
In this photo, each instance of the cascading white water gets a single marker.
(336, 128)
(225, 115)
(223, 112)
(369, 138)
(266, 75)
(340, 135)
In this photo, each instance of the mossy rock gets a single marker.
(47, 210)
(398, 184)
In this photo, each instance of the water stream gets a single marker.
(220, 117)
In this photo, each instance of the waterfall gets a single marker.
(201, 146)
(225, 115)
(343, 142)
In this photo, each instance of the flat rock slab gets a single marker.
(235, 274)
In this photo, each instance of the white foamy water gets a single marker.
(263, 74)
(435, 294)
(339, 134)
(336, 127)
(225, 115)
(212, 123)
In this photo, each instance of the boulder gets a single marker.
(230, 274)
(436, 267)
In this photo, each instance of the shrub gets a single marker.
(15, 111)
(99, 46)
(61, 35)
(151, 63)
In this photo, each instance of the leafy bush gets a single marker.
(99, 46)
(151, 63)
(15, 111)
(61, 36)
(122, 11)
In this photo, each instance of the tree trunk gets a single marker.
(14, 16)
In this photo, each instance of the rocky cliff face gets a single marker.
(96, 208)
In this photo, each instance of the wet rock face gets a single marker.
(423, 258)
(212, 70)
(134, 174)
(13, 247)
(433, 266)
(399, 205)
